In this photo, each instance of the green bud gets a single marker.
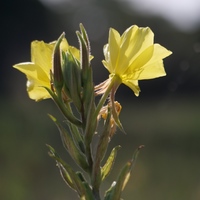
(84, 48)
(72, 78)
(57, 72)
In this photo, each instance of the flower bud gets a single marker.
(72, 78)
(56, 71)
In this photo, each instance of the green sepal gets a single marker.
(105, 170)
(65, 111)
(77, 183)
(72, 78)
(71, 147)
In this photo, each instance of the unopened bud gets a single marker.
(57, 71)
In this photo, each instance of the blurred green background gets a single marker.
(165, 117)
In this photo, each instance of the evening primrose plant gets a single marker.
(64, 74)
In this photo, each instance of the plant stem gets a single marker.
(96, 194)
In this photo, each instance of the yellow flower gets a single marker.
(134, 56)
(38, 70)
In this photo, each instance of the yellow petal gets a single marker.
(75, 52)
(35, 91)
(135, 41)
(36, 79)
(34, 72)
(153, 70)
(41, 54)
(64, 46)
(113, 48)
(134, 70)
(133, 84)
(154, 67)
(143, 39)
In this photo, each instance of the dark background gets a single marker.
(165, 117)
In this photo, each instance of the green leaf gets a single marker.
(109, 191)
(77, 137)
(121, 180)
(76, 181)
(64, 174)
(71, 147)
(124, 176)
(105, 170)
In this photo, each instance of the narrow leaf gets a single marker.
(117, 190)
(71, 147)
(105, 170)
(124, 176)
(79, 185)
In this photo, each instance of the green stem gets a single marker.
(96, 194)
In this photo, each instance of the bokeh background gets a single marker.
(165, 117)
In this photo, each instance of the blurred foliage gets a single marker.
(165, 118)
